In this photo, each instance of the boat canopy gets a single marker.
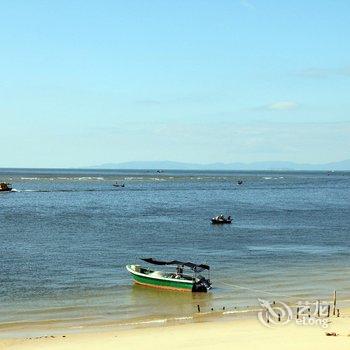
(193, 266)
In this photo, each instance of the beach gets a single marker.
(239, 333)
(68, 235)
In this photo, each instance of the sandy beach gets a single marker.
(239, 333)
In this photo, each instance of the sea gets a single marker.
(67, 234)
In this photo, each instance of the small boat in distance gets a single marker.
(221, 220)
(118, 185)
(5, 187)
(177, 281)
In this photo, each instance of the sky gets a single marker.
(87, 82)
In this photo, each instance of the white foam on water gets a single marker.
(158, 321)
(83, 178)
(15, 190)
(157, 179)
(183, 318)
(143, 322)
(243, 311)
(229, 312)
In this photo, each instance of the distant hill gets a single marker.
(169, 165)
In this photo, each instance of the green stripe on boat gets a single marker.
(163, 283)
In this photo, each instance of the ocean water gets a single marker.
(66, 236)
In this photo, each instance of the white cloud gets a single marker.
(148, 102)
(282, 106)
(317, 73)
(248, 4)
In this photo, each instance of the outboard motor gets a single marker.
(203, 285)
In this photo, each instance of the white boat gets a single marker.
(180, 281)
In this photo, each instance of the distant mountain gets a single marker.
(169, 165)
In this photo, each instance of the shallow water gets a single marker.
(67, 235)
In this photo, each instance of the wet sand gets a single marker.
(246, 333)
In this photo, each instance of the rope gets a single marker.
(253, 290)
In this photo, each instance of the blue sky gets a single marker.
(91, 82)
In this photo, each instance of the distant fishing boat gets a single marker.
(5, 187)
(178, 280)
(221, 220)
(118, 185)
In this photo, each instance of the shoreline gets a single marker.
(89, 324)
(20, 329)
(246, 332)
(17, 329)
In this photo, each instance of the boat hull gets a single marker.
(155, 283)
(162, 283)
(220, 222)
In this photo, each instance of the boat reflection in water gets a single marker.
(171, 303)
